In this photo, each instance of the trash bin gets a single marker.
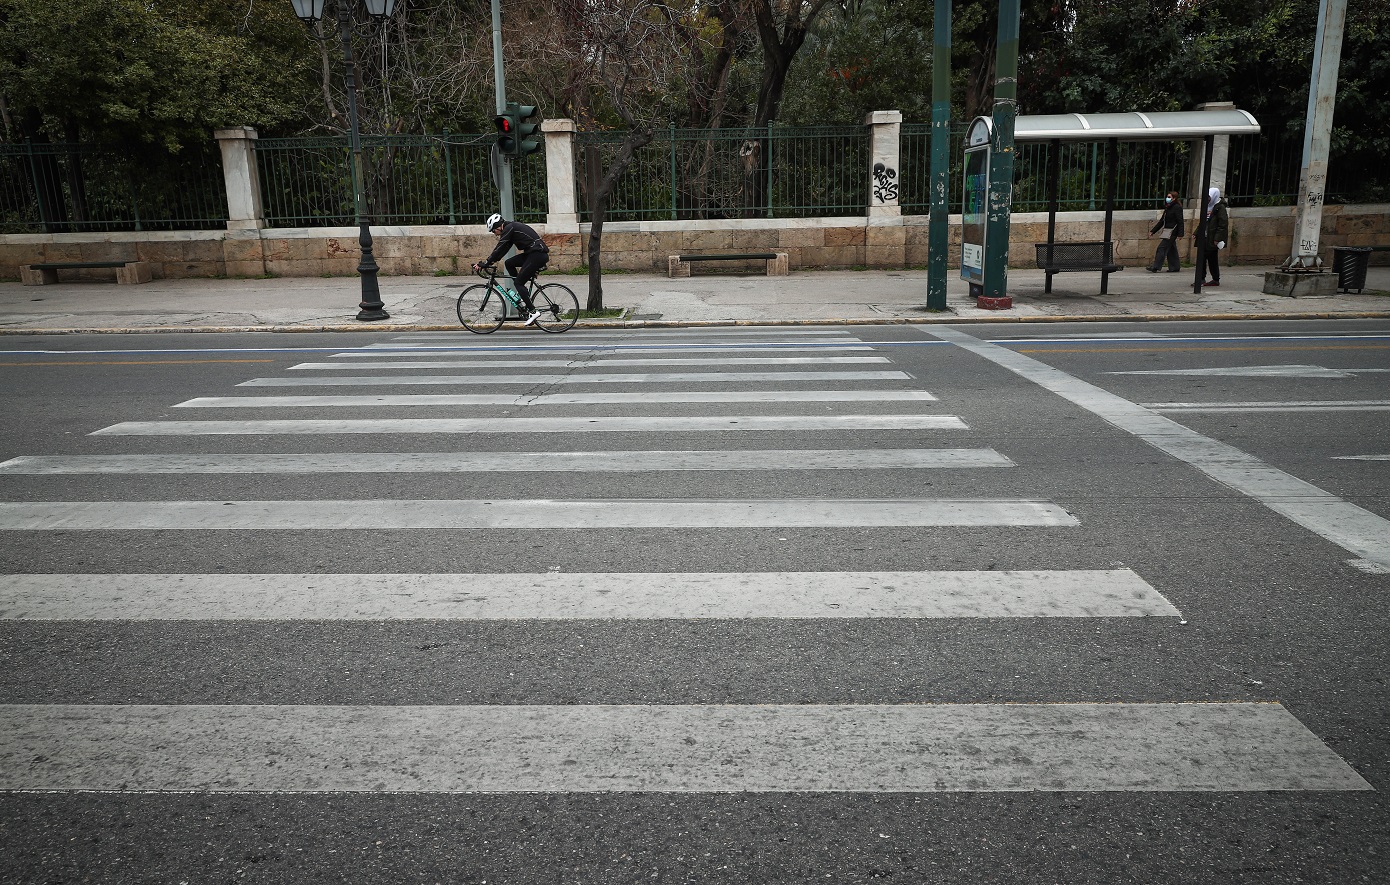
(1349, 263)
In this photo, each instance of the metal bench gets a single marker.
(46, 273)
(778, 263)
(1058, 258)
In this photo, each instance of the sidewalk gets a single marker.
(825, 297)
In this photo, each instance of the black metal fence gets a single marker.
(410, 179)
(773, 171)
(58, 188)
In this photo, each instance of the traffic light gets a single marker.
(526, 140)
(506, 124)
(516, 137)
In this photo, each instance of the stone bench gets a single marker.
(46, 273)
(778, 263)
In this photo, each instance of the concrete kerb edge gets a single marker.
(940, 319)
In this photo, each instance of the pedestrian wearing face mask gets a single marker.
(1168, 228)
(1214, 232)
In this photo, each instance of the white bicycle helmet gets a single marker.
(492, 221)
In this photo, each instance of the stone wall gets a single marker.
(1261, 236)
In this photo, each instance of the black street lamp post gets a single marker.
(310, 11)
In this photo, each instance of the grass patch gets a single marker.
(608, 313)
(583, 271)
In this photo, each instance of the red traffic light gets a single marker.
(503, 124)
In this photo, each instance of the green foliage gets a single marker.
(866, 57)
(165, 73)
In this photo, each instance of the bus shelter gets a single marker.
(1112, 129)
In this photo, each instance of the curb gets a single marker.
(941, 319)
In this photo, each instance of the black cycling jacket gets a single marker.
(522, 236)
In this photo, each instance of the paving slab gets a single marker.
(819, 297)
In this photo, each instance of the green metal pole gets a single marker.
(506, 201)
(671, 128)
(1001, 167)
(768, 161)
(449, 178)
(938, 221)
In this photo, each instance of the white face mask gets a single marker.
(1167, 199)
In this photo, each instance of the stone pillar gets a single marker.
(884, 177)
(1220, 158)
(562, 217)
(240, 176)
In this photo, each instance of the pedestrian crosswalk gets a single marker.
(799, 418)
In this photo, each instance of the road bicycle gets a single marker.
(483, 308)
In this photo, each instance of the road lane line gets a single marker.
(599, 378)
(1112, 593)
(1371, 405)
(655, 397)
(867, 748)
(1355, 529)
(523, 462)
(528, 514)
(574, 424)
(143, 362)
(1203, 349)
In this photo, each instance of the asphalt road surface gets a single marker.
(998, 603)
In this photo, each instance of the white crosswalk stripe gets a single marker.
(561, 399)
(654, 424)
(431, 514)
(498, 352)
(213, 747)
(487, 462)
(1108, 593)
(597, 378)
(600, 362)
(662, 748)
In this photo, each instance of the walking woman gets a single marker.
(1217, 226)
(1168, 228)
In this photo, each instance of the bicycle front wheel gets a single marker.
(481, 310)
(558, 306)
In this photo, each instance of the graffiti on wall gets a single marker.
(885, 183)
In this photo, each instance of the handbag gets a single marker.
(1166, 233)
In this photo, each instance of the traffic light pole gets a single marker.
(1001, 163)
(502, 166)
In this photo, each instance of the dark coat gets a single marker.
(1218, 225)
(522, 236)
(1172, 217)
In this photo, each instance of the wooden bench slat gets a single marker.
(768, 256)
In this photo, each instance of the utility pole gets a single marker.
(939, 211)
(1001, 165)
(1317, 136)
(501, 166)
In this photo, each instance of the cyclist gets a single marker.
(531, 255)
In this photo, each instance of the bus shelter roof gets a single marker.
(1134, 126)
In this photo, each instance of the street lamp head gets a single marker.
(309, 11)
(379, 9)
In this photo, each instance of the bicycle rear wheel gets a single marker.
(558, 306)
(481, 310)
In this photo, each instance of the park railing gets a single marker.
(724, 173)
(409, 179)
(1144, 173)
(74, 188)
(772, 171)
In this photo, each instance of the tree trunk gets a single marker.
(598, 204)
(77, 183)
